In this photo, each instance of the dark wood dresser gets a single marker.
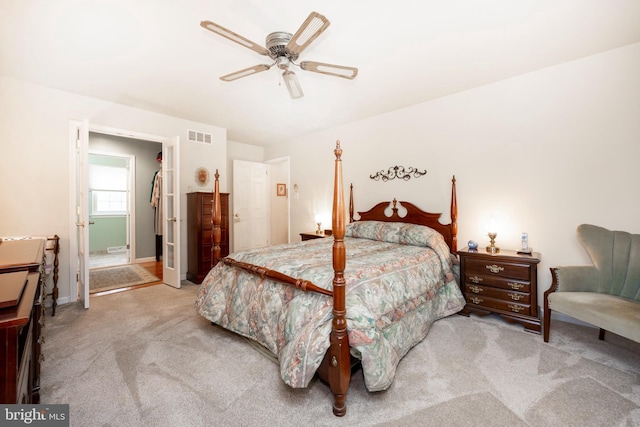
(505, 283)
(21, 319)
(200, 233)
(311, 236)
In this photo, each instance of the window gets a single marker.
(108, 186)
(109, 202)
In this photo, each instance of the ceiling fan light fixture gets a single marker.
(293, 86)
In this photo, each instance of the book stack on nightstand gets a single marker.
(504, 283)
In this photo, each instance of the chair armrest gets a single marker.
(577, 278)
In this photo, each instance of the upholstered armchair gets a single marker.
(605, 294)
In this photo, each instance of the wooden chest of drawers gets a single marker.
(21, 320)
(200, 233)
(503, 283)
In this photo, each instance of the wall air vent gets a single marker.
(201, 137)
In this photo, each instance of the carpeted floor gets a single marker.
(145, 358)
(122, 276)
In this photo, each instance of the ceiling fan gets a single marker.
(284, 49)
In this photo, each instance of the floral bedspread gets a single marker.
(400, 278)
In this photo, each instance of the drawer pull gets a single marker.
(475, 279)
(515, 297)
(476, 300)
(516, 308)
(475, 289)
(515, 286)
(494, 268)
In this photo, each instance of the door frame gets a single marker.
(73, 246)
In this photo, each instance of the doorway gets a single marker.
(111, 191)
(143, 166)
(261, 203)
(79, 133)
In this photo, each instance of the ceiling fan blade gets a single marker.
(310, 29)
(221, 31)
(330, 69)
(246, 72)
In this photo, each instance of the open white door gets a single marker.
(80, 145)
(250, 205)
(171, 207)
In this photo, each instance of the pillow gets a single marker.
(394, 232)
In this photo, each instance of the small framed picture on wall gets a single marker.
(281, 189)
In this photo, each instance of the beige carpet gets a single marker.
(145, 358)
(122, 276)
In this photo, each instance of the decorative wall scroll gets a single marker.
(399, 172)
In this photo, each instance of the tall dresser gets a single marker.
(21, 319)
(200, 233)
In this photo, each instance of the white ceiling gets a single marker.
(153, 54)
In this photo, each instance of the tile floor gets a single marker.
(106, 260)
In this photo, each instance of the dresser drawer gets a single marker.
(497, 268)
(498, 282)
(502, 294)
(493, 303)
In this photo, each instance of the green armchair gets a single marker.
(605, 294)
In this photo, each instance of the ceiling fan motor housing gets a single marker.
(277, 45)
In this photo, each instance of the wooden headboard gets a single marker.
(414, 215)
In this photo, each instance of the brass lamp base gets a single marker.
(492, 248)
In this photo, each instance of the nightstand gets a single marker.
(311, 236)
(505, 283)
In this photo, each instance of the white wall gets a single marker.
(542, 152)
(279, 205)
(34, 154)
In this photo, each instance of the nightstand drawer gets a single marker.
(498, 282)
(502, 294)
(510, 306)
(502, 269)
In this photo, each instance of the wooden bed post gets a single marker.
(339, 355)
(454, 217)
(216, 235)
(351, 203)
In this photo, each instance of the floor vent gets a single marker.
(116, 249)
(201, 137)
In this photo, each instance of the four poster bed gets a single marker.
(400, 278)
